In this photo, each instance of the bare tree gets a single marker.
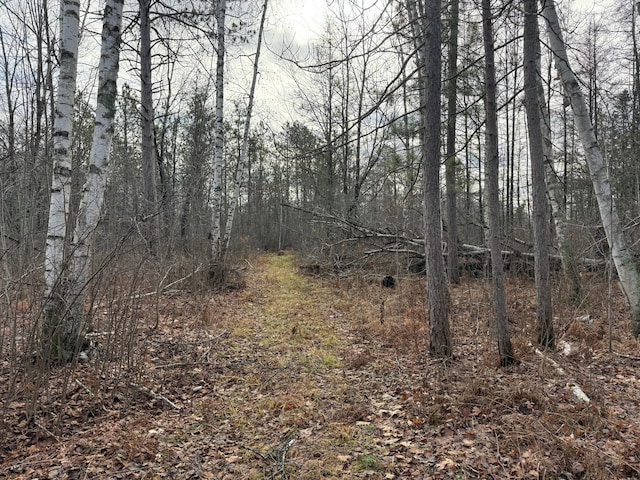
(620, 252)
(451, 163)
(493, 202)
(439, 329)
(56, 333)
(150, 203)
(215, 268)
(64, 312)
(544, 316)
(93, 191)
(243, 167)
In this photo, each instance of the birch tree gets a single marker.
(620, 252)
(64, 312)
(438, 293)
(505, 350)
(93, 191)
(54, 310)
(242, 161)
(544, 318)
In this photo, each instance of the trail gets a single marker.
(301, 410)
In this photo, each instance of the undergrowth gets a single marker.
(307, 376)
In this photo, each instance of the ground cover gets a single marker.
(326, 376)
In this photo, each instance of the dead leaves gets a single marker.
(296, 378)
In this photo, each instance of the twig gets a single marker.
(628, 357)
(154, 395)
(166, 287)
(47, 431)
(283, 453)
(183, 364)
(254, 451)
(276, 460)
(274, 374)
(220, 335)
(86, 389)
(158, 292)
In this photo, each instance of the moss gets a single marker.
(368, 462)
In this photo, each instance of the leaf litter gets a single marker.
(299, 377)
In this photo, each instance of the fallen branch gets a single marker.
(628, 357)
(165, 288)
(183, 364)
(154, 395)
(86, 389)
(575, 389)
(276, 459)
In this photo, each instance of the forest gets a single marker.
(279, 239)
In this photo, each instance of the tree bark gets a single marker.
(150, 203)
(93, 191)
(505, 350)
(544, 317)
(55, 309)
(452, 217)
(620, 253)
(215, 268)
(438, 293)
(243, 160)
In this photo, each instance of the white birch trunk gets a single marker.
(242, 161)
(54, 262)
(620, 253)
(218, 156)
(93, 191)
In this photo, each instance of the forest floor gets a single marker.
(306, 377)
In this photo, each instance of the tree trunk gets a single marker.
(55, 309)
(93, 191)
(243, 160)
(544, 317)
(215, 268)
(493, 202)
(150, 203)
(452, 218)
(439, 329)
(620, 253)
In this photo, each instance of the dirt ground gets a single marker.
(306, 377)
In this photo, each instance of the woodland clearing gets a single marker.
(305, 377)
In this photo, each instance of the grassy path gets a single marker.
(297, 401)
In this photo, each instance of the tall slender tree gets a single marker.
(438, 293)
(150, 203)
(215, 267)
(501, 324)
(93, 191)
(243, 167)
(544, 318)
(64, 312)
(54, 333)
(451, 162)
